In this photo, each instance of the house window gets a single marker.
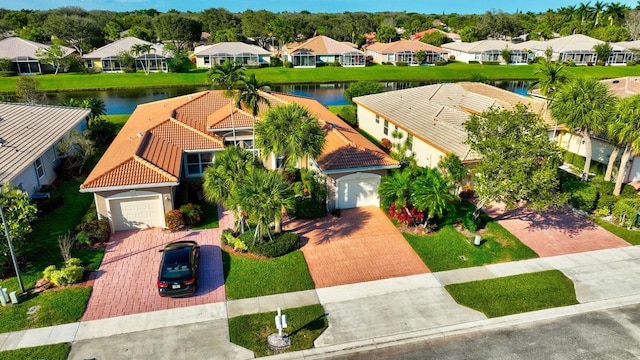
(207, 60)
(279, 161)
(410, 142)
(39, 164)
(386, 127)
(377, 119)
(197, 163)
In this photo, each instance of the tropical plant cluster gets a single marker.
(71, 273)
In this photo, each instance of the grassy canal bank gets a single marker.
(451, 72)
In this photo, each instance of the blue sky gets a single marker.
(328, 6)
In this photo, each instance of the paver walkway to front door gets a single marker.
(360, 245)
(554, 233)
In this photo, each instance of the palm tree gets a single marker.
(431, 194)
(289, 131)
(584, 105)
(227, 75)
(453, 170)
(141, 49)
(264, 194)
(97, 106)
(229, 169)
(598, 9)
(249, 95)
(627, 131)
(395, 188)
(584, 11)
(550, 76)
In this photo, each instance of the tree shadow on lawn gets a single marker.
(329, 228)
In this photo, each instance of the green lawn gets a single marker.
(56, 307)
(246, 277)
(516, 294)
(209, 217)
(630, 236)
(119, 119)
(48, 352)
(452, 72)
(305, 324)
(448, 249)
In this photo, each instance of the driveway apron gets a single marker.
(556, 232)
(360, 245)
(126, 281)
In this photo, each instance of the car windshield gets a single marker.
(176, 264)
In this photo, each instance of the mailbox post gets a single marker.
(280, 341)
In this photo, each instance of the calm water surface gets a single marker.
(125, 101)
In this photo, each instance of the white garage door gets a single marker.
(137, 212)
(357, 190)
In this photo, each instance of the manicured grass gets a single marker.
(209, 218)
(49, 352)
(448, 249)
(516, 294)
(455, 71)
(56, 307)
(305, 324)
(630, 236)
(246, 277)
(337, 108)
(119, 119)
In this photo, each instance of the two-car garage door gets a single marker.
(360, 189)
(137, 212)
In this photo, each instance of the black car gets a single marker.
(178, 274)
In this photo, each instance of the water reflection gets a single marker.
(125, 101)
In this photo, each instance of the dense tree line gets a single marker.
(86, 30)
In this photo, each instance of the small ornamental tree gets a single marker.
(19, 212)
(53, 55)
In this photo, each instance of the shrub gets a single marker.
(102, 132)
(467, 193)
(83, 238)
(336, 63)
(287, 64)
(174, 220)
(606, 202)
(191, 213)
(71, 273)
(491, 63)
(628, 191)
(582, 195)
(275, 61)
(626, 211)
(406, 214)
(48, 204)
(224, 236)
(440, 63)
(348, 114)
(469, 223)
(604, 187)
(281, 244)
(474, 62)
(98, 230)
(452, 57)
(401, 63)
(572, 64)
(600, 63)
(631, 63)
(228, 239)
(589, 63)
(308, 208)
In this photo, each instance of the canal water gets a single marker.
(125, 101)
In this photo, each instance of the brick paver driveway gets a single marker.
(556, 232)
(361, 245)
(126, 282)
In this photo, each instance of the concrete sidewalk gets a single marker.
(365, 314)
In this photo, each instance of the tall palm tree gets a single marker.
(627, 131)
(229, 169)
(550, 76)
(96, 105)
(249, 95)
(432, 194)
(584, 11)
(141, 49)
(264, 194)
(289, 131)
(584, 105)
(598, 9)
(227, 75)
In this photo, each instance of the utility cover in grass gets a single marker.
(516, 294)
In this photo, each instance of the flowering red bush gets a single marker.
(406, 214)
(174, 220)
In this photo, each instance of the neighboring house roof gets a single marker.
(14, 47)
(321, 45)
(232, 48)
(628, 45)
(148, 150)
(417, 36)
(125, 44)
(28, 130)
(403, 45)
(436, 113)
(624, 87)
(576, 42)
(479, 46)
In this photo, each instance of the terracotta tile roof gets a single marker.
(148, 149)
(404, 45)
(241, 119)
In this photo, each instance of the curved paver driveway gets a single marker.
(554, 233)
(361, 245)
(126, 282)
